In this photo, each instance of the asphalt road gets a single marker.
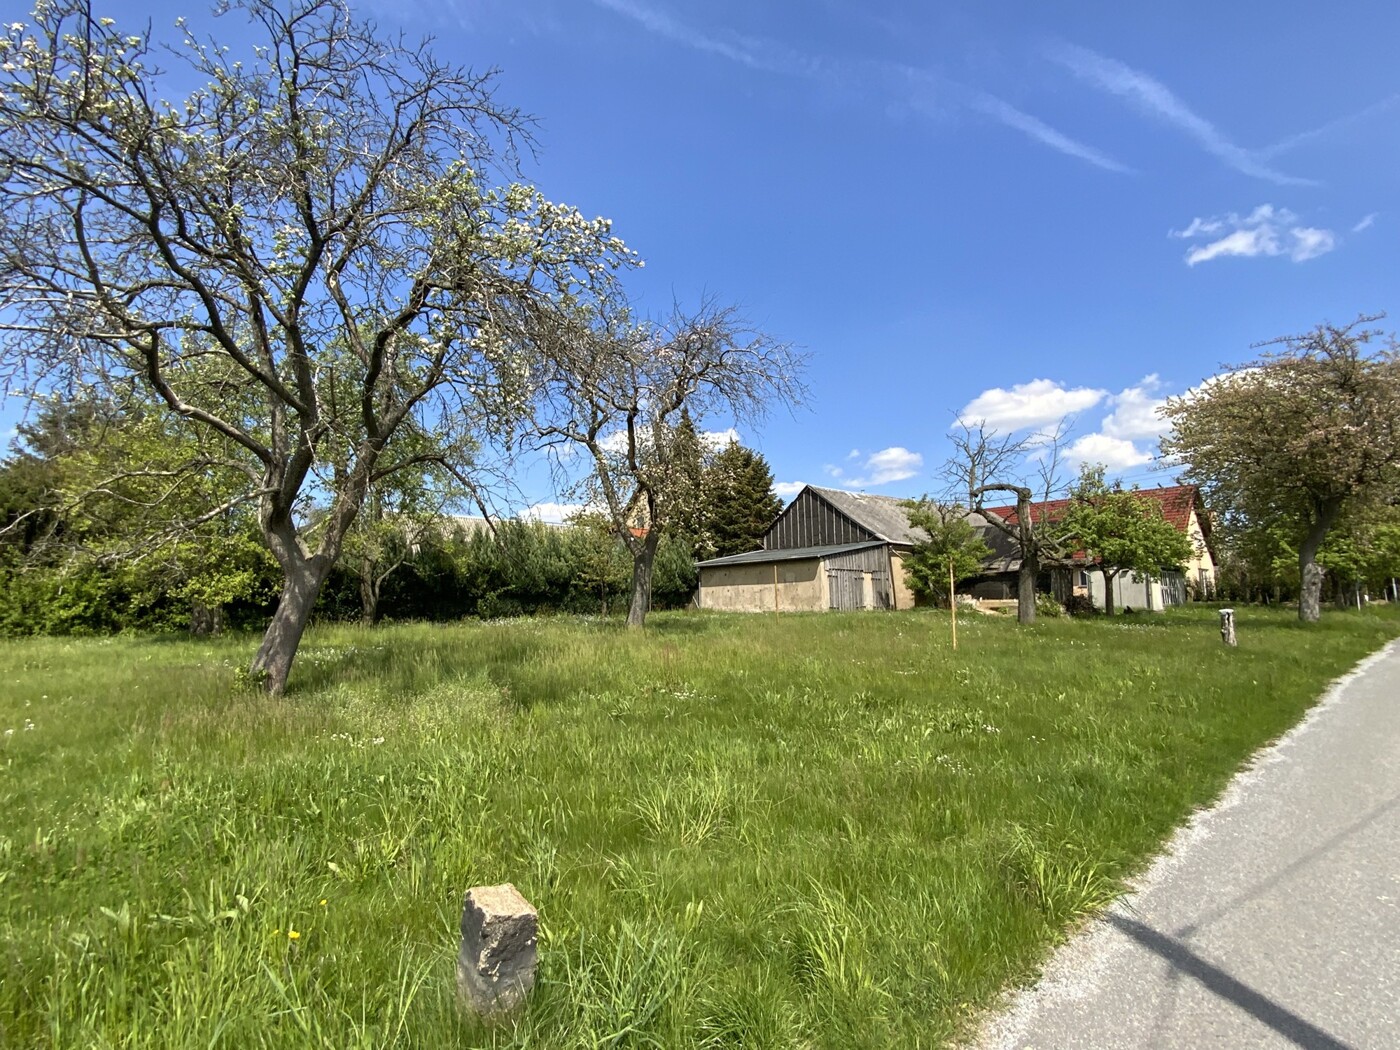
(1272, 921)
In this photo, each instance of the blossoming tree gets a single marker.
(315, 251)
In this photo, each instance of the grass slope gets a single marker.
(806, 831)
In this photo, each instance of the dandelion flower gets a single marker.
(323, 902)
(292, 935)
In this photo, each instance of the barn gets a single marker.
(831, 549)
(828, 549)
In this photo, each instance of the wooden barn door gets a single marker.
(847, 588)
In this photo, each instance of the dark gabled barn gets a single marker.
(828, 549)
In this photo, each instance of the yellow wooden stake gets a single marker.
(953, 604)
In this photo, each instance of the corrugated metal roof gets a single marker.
(885, 516)
(790, 554)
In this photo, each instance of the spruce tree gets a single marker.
(740, 501)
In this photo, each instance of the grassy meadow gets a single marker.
(743, 831)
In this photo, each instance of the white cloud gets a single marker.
(616, 442)
(1043, 133)
(853, 454)
(1267, 231)
(1309, 242)
(892, 464)
(771, 56)
(719, 439)
(1026, 405)
(1136, 413)
(1200, 228)
(880, 468)
(1114, 453)
(1366, 223)
(766, 55)
(1303, 137)
(1116, 78)
(551, 513)
(785, 490)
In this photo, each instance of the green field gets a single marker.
(806, 831)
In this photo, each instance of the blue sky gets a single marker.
(1001, 210)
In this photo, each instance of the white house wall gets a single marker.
(1131, 591)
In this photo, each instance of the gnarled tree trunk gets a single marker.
(300, 589)
(643, 560)
(1025, 589)
(1309, 571)
(303, 576)
(370, 584)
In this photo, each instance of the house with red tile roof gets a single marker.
(1181, 506)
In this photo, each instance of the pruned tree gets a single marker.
(954, 547)
(985, 462)
(615, 391)
(1295, 439)
(305, 255)
(1122, 531)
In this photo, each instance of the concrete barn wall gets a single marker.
(903, 596)
(749, 588)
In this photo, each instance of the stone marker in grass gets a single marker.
(496, 968)
(1227, 626)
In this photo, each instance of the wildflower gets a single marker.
(292, 935)
(323, 902)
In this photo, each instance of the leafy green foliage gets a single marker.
(315, 256)
(1122, 531)
(952, 540)
(1290, 443)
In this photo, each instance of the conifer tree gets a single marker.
(741, 503)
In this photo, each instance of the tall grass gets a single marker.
(804, 831)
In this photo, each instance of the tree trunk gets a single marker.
(1025, 590)
(206, 619)
(1309, 571)
(301, 585)
(1108, 592)
(642, 561)
(369, 594)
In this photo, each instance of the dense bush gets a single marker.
(1081, 605)
(522, 568)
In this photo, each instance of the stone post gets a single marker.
(1227, 626)
(496, 968)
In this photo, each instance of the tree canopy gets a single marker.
(1122, 531)
(1292, 440)
(623, 393)
(953, 543)
(315, 252)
